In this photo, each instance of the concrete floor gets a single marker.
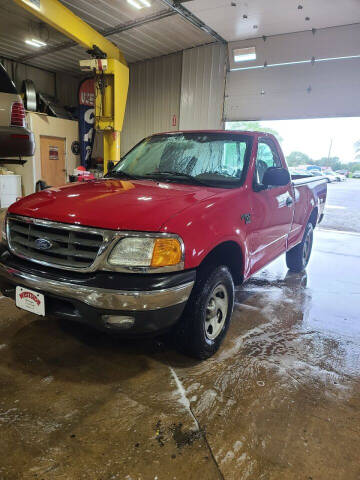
(281, 400)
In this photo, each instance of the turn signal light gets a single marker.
(167, 251)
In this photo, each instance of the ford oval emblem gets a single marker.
(43, 244)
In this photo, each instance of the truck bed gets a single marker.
(298, 180)
(312, 191)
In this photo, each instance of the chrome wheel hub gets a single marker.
(216, 311)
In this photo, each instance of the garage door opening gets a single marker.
(327, 145)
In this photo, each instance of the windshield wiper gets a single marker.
(121, 174)
(168, 176)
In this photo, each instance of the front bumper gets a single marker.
(154, 302)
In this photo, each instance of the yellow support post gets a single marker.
(111, 142)
(113, 82)
(112, 85)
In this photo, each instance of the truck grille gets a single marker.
(62, 246)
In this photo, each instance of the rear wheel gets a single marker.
(298, 257)
(208, 313)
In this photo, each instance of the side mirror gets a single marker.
(276, 177)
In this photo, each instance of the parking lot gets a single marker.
(279, 401)
(342, 209)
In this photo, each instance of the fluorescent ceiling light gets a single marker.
(139, 3)
(244, 54)
(35, 43)
(39, 42)
(135, 4)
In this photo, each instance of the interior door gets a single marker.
(52, 151)
(271, 212)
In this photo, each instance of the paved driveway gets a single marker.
(343, 206)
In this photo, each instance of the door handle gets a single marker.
(289, 202)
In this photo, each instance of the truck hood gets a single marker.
(113, 204)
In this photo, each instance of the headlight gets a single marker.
(146, 252)
(3, 226)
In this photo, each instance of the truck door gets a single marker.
(272, 209)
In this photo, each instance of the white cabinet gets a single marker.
(10, 189)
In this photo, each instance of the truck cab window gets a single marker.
(233, 159)
(267, 156)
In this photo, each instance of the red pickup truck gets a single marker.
(161, 241)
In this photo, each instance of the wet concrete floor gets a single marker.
(281, 400)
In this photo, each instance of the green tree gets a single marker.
(333, 162)
(298, 158)
(253, 126)
(352, 167)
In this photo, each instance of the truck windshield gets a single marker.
(215, 159)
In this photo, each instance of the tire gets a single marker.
(298, 257)
(207, 315)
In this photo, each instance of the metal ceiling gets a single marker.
(166, 27)
(241, 19)
(141, 34)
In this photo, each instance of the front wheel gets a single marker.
(208, 313)
(298, 257)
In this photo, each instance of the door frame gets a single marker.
(65, 156)
(273, 249)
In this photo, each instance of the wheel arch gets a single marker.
(313, 219)
(230, 254)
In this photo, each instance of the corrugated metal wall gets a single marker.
(154, 99)
(187, 86)
(44, 81)
(59, 85)
(202, 87)
(67, 88)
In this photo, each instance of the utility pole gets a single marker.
(331, 142)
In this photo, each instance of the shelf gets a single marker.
(13, 161)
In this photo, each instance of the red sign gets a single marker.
(174, 121)
(87, 93)
(31, 296)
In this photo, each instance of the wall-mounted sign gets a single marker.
(53, 153)
(86, 119)
(174, 121)
(75, 147)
